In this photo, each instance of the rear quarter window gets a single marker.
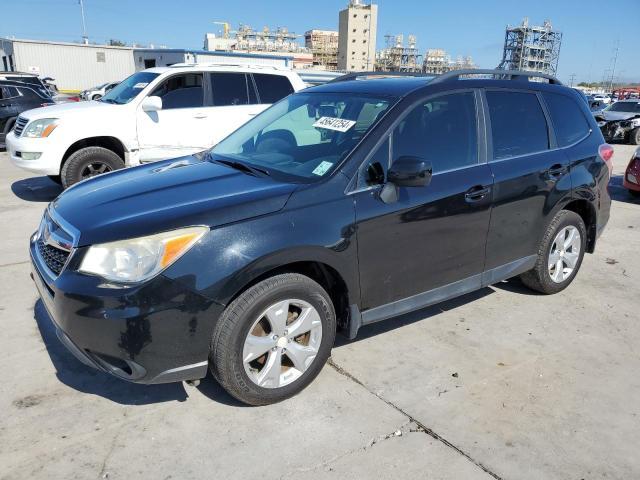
(567, 117)
(272, 88)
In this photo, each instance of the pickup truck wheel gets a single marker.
(273, 339)
(89, 162)
(560, 254)
(634, 136)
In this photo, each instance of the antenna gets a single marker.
(85, 38)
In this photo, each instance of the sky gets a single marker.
(591, 31)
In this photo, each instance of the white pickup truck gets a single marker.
(153, 115)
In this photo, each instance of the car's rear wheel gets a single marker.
(560, 254)
(273, 339)
(89, 162)
(96, 97)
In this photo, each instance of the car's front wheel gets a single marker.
(559, 255)
(634, 136)
(89, 162)
(273, 339)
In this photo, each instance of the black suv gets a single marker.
(339, 206)
(17, 97)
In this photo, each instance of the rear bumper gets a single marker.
(50, 158)
(155, 333)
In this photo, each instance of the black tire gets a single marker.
(55, 179)
(634, 136)
(225, 360)
(81, 164)
(634, 193)
(539, 278)
(96, 97)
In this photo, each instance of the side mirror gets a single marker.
(152, 104)
(409, 171)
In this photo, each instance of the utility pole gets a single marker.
(85, 38)
(572, 77)
(615, 61)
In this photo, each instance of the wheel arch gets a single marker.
(109, 142)
(340, 284)
(589, 216)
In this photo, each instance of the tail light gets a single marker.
(606, 153)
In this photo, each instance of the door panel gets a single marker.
(531, 175)
(431, 237)
(179, 128)
(435, 235)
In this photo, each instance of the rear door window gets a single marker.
(181, 91)
(230, 89)
(518, 124)
(567, 118)
(442, 130)
(272, 88)
(8, 92)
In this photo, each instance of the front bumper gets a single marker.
(158, 332)
(50, 158)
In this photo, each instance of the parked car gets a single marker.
(620, 121)
(15, 98)
(631, 179)
(602, 98)
(153, 115)
(340, 206)
(96, 93)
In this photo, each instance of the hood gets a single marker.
(166, 195)
(612, 116)
(62, 110)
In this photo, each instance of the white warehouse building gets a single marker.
(76, 66)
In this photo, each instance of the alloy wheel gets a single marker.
(564, 254)
(93, 169)
(282, 343)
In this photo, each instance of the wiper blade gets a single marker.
(245, 167)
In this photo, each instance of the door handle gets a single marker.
(200, 115)
(477, 193)
(556, 171)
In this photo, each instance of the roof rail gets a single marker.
(366, 75)
(522, 75)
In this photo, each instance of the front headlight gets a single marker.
(138, 259)
(40, 128)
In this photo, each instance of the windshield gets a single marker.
(129, 88)
(305, 136)
(628, 107)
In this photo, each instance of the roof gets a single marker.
(216, 67)
(215, 52)
(68, 44)
(378, 86)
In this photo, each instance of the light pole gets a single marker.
(85, 38)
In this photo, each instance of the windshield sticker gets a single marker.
(337, 124)
(140, 85)
(323, 167)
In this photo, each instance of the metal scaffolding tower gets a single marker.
(533, 48)
(397, 57)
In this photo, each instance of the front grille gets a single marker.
(53, 257)
(21, 122)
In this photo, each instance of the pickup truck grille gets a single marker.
(21, 122)
(53, 257)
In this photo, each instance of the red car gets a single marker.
(632, 175)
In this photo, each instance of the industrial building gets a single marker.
(533, 48)
(398, 57)
(276, 42)
(323, 45)
(76, 66)
(358, 25)
(437, 61)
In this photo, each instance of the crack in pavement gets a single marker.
(420, 425)
(398, 432)
(13, 264)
